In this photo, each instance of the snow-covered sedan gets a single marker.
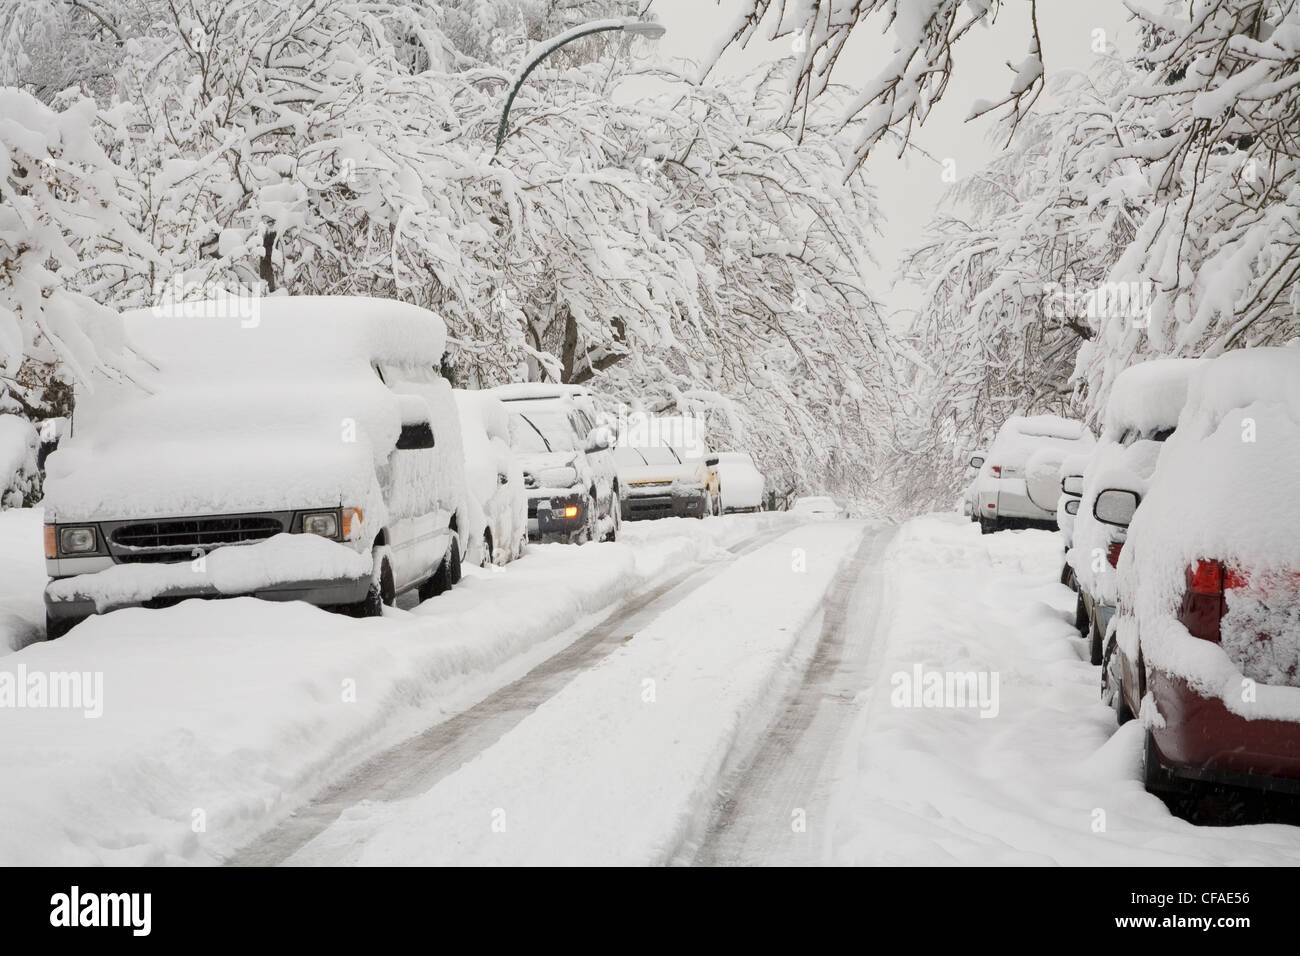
(497, 529)
(313, 454)
(569, 473)
(740, 481)
(1141, 413)
(1009, 494)
(660, 481)
(1206, 645)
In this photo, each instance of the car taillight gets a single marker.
(1203, 603)
(1112, 553)
(995, 471)
(1206, 578)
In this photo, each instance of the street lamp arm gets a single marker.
(639, 27)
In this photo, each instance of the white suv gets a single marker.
(1010, 493)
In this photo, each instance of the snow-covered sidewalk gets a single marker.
(619, 766)
(1045, 778)
(219, 717)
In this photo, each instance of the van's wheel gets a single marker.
(588, 532)
(988, 525)
(56, 627)
(616, 515)
(485, 558)
(1081, 622)
(382, 591)
(1094, 644)
(448, 573)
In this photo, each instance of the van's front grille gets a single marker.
(176, 538)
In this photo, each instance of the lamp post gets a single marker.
(642, 28)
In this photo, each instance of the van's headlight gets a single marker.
(323, 523)
(76, 540)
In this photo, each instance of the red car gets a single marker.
(1206, 643)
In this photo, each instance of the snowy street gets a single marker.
(720, 692)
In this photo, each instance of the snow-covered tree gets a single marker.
(62, 224)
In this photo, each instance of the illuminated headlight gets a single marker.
(559, 478)
(76, 540)
(323, 523)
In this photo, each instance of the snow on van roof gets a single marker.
(1150, 395)
(285, 332)
(236, 411)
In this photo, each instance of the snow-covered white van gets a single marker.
(313, 454)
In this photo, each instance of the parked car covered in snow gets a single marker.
(497, 528)
(1207, 638)
(1141, 413)
(569, 472)
(817, 507)
(661, 481)
(1071, 474)
(312, 455)
(1011, 494)
(742, 485)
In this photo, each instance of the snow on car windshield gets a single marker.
(542, 431)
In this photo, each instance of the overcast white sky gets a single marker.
(910, 188)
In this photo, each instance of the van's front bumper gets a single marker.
(549, 517)
(322, 593)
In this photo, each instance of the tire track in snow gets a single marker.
(415, 765)
(753, 820)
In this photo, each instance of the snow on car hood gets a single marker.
(542, 465)
(633, 474)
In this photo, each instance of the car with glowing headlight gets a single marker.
(569, 473)
(311, 452)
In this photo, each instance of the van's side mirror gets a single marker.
(1072, 485)
(977, 462)
(415, 435)
(502, 478)
(597, 440)
(1116, 506)
(1072, 506)
(711, 461)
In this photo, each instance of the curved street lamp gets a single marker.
(642, 28)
